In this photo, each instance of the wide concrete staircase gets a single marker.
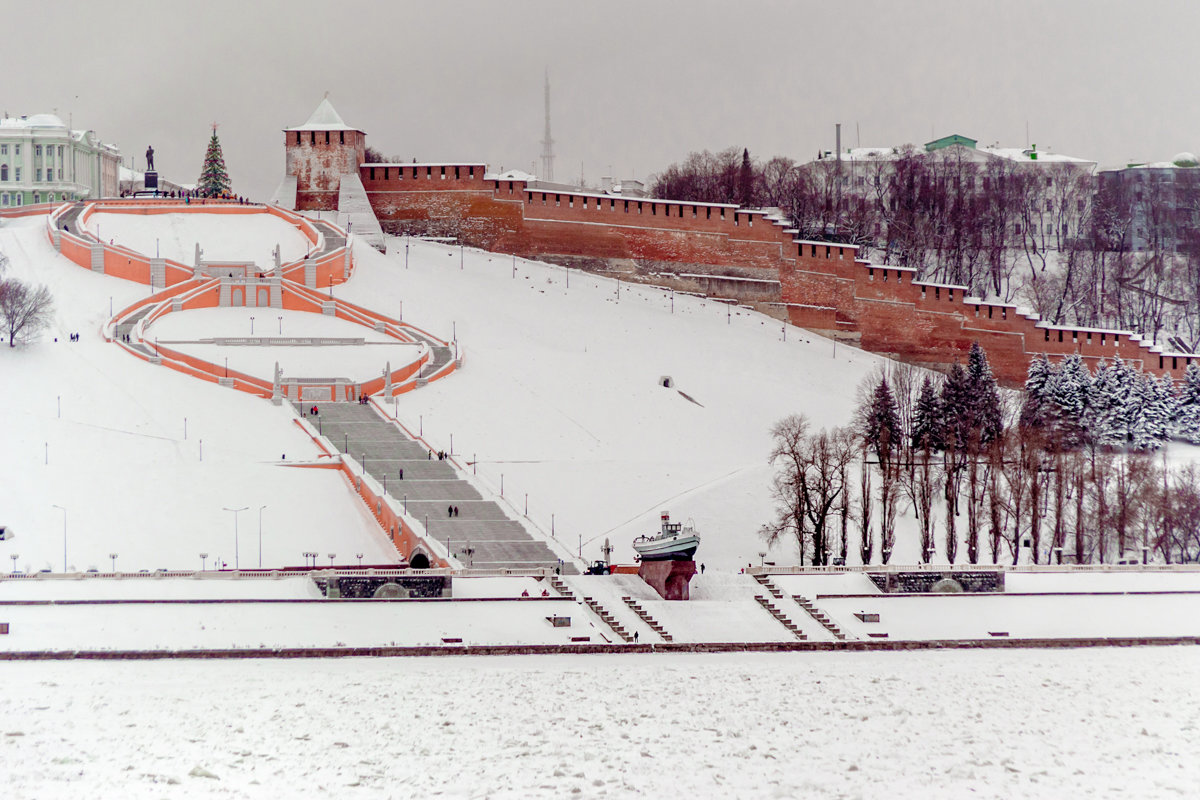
(480, 535)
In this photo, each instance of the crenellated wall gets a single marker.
(822, 286)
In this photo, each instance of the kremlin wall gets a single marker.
(722, 250)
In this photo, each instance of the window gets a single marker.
(4, 199)
(17, 174)
(3, 149)
(37, 198)
(60, 173)
(17, 150)
(18, 199)
(326, 137)
(60, 152)
(49, 174)
(341, 137)
(4, 173)
(37, 150)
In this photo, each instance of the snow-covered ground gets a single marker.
(144, 459)
(561, 394)
(1040, 724)
(222, 237)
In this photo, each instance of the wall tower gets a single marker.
(319, 153)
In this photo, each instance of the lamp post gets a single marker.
(331, 556)
(280, 318)
(203, 561)
(236, 548)
(60, 508)
(359, 556)
(251, 325)
(14, 558)
(113, 556)
(260, 510)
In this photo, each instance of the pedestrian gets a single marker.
(635, 637)
(402, 473)
(431, 455)
(449, 511)
(456, 511)
(702, 568)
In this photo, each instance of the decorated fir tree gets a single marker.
(214, 180)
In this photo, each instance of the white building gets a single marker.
(42, 161)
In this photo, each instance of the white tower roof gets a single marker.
(325, 118)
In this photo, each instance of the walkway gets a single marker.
(429, 487)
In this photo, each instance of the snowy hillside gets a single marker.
(560, 394)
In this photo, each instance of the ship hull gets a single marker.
(678, 549)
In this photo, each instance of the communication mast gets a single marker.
(547, 142)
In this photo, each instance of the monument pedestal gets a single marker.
(151, 181)
(670, 579)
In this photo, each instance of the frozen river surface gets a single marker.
(993, 723)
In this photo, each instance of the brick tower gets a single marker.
(318, 153)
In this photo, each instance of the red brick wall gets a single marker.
(824, 286)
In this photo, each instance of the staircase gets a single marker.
(654, 624)
(820, 617)
(560, 586)
(781, 617)
(601, 612)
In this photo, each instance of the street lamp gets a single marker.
(203, 560)
(236, 549)
(331, 557)
(360, 555)
(113, 556)
(251, 325)
(14, 558)
(60, 508)
(280, 318)
(260, 510)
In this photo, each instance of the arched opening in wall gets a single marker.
(418, 560)
(4, 172)
(264, 297)
(237, 298)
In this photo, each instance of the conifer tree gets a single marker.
(1033, 411)
(927, 422)
(881, 427)
(1187, 417)
(214, 179)
(983, 397)
(1067, 402)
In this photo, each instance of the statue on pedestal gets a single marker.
(149, 158)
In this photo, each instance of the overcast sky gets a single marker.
(636, 84)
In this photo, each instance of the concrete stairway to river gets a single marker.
(429, 487)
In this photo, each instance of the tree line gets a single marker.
(1063, 471)
(1046, 234)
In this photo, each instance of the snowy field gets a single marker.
(222, 237)
(1100, 723)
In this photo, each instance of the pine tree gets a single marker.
(1107, 400)
(746, 180)
(1067, 402)
(214, 180)
(1033, 407)
(984, 397)
(1187, 416)
(957, 409)
(927, 418)
(881, 427)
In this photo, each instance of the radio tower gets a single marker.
(547, 143)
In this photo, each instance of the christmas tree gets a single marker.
(214, 180)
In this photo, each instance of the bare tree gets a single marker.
(25, 310)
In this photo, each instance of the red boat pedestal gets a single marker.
(669, 578)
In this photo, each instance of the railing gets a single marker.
(275, 574)
(831, 570)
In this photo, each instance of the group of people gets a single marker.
(451, 511)
(186, 195)
(74, 337)
(442, 455)
(364, 399)
(312, 412)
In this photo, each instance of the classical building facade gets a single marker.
(43, 161)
